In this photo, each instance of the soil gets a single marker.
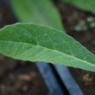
(23, 78)
(71, 16)
(17, 77)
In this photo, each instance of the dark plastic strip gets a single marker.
(49, 78)
(68, 80)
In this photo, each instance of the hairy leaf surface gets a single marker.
(41, 43)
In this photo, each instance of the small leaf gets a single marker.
(40, 43)
(87, 5)
(38, 12)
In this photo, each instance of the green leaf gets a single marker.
(31, 42)
(38, 12)
(87, 5)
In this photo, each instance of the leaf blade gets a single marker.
(40, 43)
(32, 11)
(86, 5)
